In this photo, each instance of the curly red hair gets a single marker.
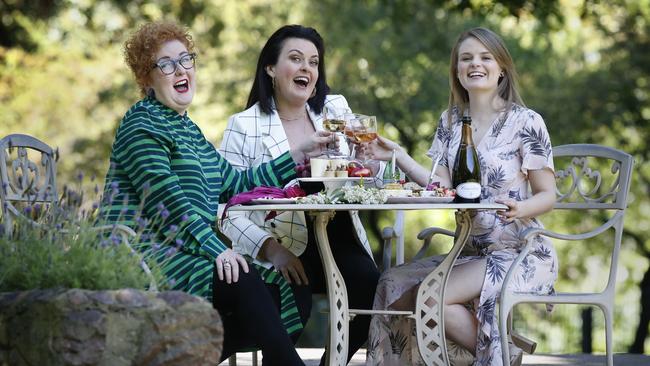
(141, 47)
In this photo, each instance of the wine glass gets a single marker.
(362, 130)
(334, 120)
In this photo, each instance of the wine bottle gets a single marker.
(466, 176)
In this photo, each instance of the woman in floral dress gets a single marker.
(514, 152)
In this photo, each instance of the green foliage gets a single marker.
(65, 245)
(38, 258)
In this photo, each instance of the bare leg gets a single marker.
(465, 284)
(461, 326)
(407, 301)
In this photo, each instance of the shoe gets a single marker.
(516, 354)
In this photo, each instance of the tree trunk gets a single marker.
(587, 329)
(644, 317)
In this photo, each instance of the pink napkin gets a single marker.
(264, 192)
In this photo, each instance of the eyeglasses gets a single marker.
(168, 66)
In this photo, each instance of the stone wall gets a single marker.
(111, 328)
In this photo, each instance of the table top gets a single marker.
(373, 207)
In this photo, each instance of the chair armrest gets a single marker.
(531, 232)
(388, 233)
(426, 235)
(527, 237)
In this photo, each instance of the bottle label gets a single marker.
(469, 190)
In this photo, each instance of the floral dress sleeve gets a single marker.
(535, 149)
(441, 141)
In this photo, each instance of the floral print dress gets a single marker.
(516, 142)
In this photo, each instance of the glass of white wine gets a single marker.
(334, 120)
(361, 130)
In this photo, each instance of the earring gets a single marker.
(502, 74)
(273, 82)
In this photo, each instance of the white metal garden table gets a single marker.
(429, 318)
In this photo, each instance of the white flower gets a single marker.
(366, 196)
(319, 198)
(351, 194)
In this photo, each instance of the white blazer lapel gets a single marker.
(316, 119)
(275, 141)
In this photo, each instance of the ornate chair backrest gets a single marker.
(27, 174)
(583, 183)
(595, 178)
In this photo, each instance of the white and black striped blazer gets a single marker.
(253, 137)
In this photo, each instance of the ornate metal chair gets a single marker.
(595, 179)
(28, 177)
(25, 180)
(580, 187)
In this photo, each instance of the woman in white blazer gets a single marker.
(285, 107)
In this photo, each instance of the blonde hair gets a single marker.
(507, 88)
(141, 47)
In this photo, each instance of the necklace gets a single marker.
(291, 119)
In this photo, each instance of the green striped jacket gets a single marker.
(165, 176)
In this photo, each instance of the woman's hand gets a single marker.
(511, 213)
(285, 262)
(382, 149)
(316, 143)
(228, 264)
(542, 185)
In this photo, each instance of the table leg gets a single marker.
(337, 295)
(429, 316)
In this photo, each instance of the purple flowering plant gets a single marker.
(66, 243)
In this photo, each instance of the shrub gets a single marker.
(59, 245)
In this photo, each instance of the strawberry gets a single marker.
(361, 172)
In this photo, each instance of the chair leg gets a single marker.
(504, 316)
(609, 315)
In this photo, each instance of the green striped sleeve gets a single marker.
(275, 173)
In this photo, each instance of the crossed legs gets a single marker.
(465, 284)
